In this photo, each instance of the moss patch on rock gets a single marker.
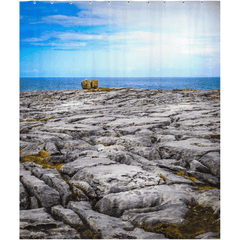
(102, 89)
(40, 159)
(181, 173)
(46, 119)
(162, 176)
(31, 120)
(199, 219)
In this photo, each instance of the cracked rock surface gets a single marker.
(116, 160)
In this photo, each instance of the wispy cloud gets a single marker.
(135, 40)
(72, 44)
(72, 21)
(31, 71)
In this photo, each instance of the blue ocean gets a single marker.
(65, 83)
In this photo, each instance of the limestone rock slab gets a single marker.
(116, 178)
(80, 163)
(24, 198)
(46, 196)
(67, 216)
(106, 226)
(115, 204)
(189, 149)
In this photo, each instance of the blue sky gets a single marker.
(120, 39)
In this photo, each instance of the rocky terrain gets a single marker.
(120, 163)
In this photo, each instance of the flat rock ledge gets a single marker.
(116, 163)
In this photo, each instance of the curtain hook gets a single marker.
(90, 2)
(148, 2)
(128, 2)
(108, 2)
(34, 2)
(70, 2)
(51, 2)
(164, 2)
(183, 2)
(201, 2)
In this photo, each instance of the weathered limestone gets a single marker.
(53, 179)
(209, 198)
(106, 226)
(84, 185)
(189, 149)
(46, 196)
(172, 214)
(24, 198)
(134, 141)
(147, 152)
(67, 216)
(212, 161)
(37, 223)
(116, 204)
(72, 168)
(120, 159)
(141, 234)
(33, 203)
(116, 178)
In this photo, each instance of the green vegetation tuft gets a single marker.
(46, 119)
(90, 234)
(214, 98)
(205, 187)
(31, 120)
(181, 173)
(215, 136)
(40, 159)
(199, 219)
(193, 179)
(188, 89)
(163, 177)
(102, 89)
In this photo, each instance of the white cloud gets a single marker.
(79, 36)
(69, 21)
(31, 71)
(71, 44)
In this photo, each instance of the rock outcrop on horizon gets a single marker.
(86, 84)
(119, 163)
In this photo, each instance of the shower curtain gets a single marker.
(119, 119)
